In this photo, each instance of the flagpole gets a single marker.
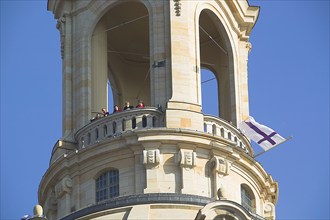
(288, 138)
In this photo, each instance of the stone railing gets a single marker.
(117, 123)
(220, 127)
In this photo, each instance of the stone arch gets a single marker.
(121, 55)
(220, 58)
(223, 208)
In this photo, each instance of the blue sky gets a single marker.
(288, 88)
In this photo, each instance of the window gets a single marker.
(123, 124)
(114, 127)
(144, 121)
(214, 129)
(247, 197)
(154, 121)
(107, 185)
(133, 123)
(96, 133)
(105, 130)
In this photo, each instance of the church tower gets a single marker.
(168, 159)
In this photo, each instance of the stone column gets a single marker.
(184, 107)
(220, 168)
(99, 76)
(65, 28)
(187, 164)
(242, 103)
(63, 190)
(151, 160)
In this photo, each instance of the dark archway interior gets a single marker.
(127, 27)
(214, 57)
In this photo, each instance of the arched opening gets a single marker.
(217, 68)
(248, 200)
(210, 100)
(120, 57)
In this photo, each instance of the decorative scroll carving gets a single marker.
(187, 158)
(151, 157)
(248, 46)
(61, 27)
(220, 166)
(63, 187)
(177, 7)
(269, 211)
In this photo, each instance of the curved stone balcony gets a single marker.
(221, 128)
(117, 123)
(150, 117)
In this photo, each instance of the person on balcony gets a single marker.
(128, 106)
(103, 113)
(116, 109)
(140, 104)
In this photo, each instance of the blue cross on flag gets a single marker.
(261, 134)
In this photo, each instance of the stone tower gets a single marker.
(167, 160)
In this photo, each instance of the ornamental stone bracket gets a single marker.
(248, 46)
(220, 166)
(187, 158)
(151, 158)
(177, 7)
(63, 187)
(61, 27)
(269, 211)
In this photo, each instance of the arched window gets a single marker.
(96, 133)
(222, 132)
(214, 129)
(105, 130)
(123, 124)
(114, 127)
(89, 136)
(247, 198)
(133, 123)
(144, 121)
(107, 185)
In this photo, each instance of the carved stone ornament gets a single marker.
(63, 187)
(220, 165)
(269, 211)
(151, 157)
(248, 46)
(61, 27)
(177, 7)
(187, 158)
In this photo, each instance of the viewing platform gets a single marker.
(118, 123)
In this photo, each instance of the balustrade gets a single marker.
(219, 127)
(118, 123)
(130, 120)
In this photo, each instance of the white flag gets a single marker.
(261, 134)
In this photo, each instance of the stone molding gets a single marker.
(187, 158)
(151, 157)
(63, 187)
(139, 199)
(269, 211)
(220, 166)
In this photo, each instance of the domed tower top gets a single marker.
(154, 51)
(168, 155)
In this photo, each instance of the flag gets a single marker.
(261, 134)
